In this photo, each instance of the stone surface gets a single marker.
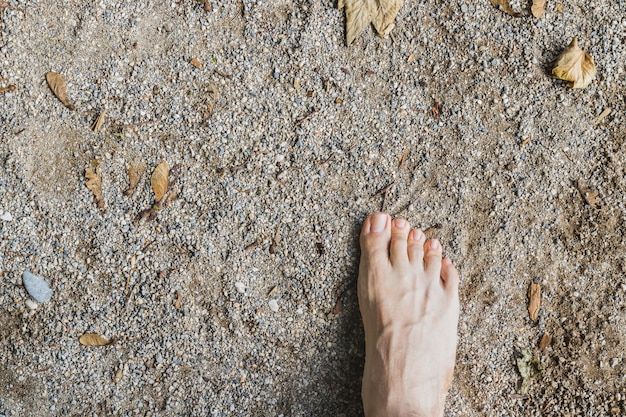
(37, 287)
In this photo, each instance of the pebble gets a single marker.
(6, 217)
(274, 306)
(31, 304)
(37, 287)
(240, 287)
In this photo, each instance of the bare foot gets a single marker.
(409, 302)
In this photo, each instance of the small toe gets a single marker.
(432, 258)
(400, 229)
(375, 236)
(416, 248)
(449, 276)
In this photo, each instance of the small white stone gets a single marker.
(274, 306)
(31, 304)
(240, 287)
(6, 217)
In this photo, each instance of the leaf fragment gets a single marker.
(534, 301)
(135, 172)
(545, 341)
(528, 367)
(94, 339)
(360, 13)
(159, 181)
(58, 87)
(98, 123)
(538, 7)
(589, 194)
(602, 115)
(94, 183)
(575, 65)
(506, 7)
(196, 63)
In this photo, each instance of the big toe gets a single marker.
(375, 237)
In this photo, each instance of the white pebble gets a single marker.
(6, 217)
(274, 305)
(240, 287)
(31, 304)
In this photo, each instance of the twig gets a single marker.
(222, 73)
(305, 118)
(9, 88)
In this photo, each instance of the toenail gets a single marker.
(418, 234)
(434, 244)
(378, 222)
(399, 223)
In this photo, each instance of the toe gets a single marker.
(416, 248)
(375, 236)
(449, 276)
(432, 259)
(400, 229)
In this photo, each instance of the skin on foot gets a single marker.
(408, 296)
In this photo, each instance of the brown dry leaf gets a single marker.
(538, 7)
(135, 172)
(506, 7)
(545, 341)
(159, 181)
(534, 301)
(196, 63)
(94, 339)
(589, 194)
(58, 87)
(360, 13)
(98, 123)
(211, 100)
(179, 300)
(94, 183)
(575, 65)
(411, 58)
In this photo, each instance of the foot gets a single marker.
(409, 301)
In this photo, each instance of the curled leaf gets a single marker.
(575, 65)
(159, 181)
(538, 7)
(360, 13)
(94, 183)
(94, 339)
(589, 194)
(58, 87)
(534, 301)
(98, 123)
(506, 7)
(135, 172)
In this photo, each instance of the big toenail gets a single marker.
(399, 223)
(378, 222)
(434, 244)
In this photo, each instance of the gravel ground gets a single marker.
(239, 298)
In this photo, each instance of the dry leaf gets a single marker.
(589, 194)
(159, 181)
(118, 375)
(58, 87)
(528, 366)
(94, 339)
(545, 341)
(94, 183)
(179, 300)
(196, 63)
(360, 13)
(602, 115)
(506, 7)
(534, 303)
(558, 7)
(98, 123)
(575, 65)
(4, 4)
(211, 100)
(538, 7)
(411, 58)
(135, 172)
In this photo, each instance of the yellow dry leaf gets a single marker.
(135, 172)
(58, 87)
(534, 301)
(94, 183)
(538, 7)
(93, 339)
(506, 7)
(196, 63)
(575, 65)
(98, 123)
(360, 13)
(159, 181)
